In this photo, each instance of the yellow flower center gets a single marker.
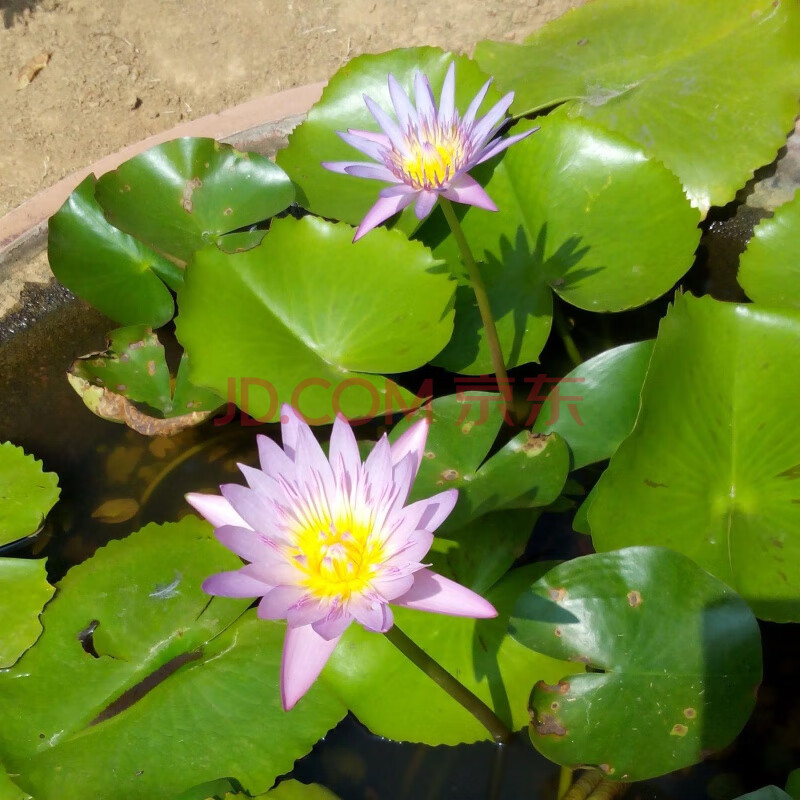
(435, 154)
(338, 558)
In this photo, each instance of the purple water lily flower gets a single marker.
(427, 151)
(331, 540)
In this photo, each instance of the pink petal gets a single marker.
(409, 551)
(245, 542)
(343, 451)
(486, 124)
(274, 460)
(263, 484)
(254, 510)
(291, 422)
(372, 136)
(412, 440)
(388, 125)
(279, 600)
(425, 203)
(334, 624)
(217, 510)
(343, 167)
(372, 145)
(432, 592)
(372, 614)
(276, 572)
(378, 469)
(423, 95)
(502, 144)
(375, 172)
(389, 586)
(472, 110)
(305, 653)
(447, 99)
(465, 189)
(384, 208)
(235, 584)
(430, 513)
(402, 105)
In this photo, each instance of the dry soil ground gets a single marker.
(119, 70)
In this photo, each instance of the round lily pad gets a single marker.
(673, 658)
(27, 493)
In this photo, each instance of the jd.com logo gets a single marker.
(481, 392)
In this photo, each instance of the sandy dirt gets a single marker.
(82, 78)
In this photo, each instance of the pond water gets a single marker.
(114, 481)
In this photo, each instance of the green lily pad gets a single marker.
(24, 590)
(27, 493)
(769, 270)
(130, 383)
(343, 197)
(582, 211)
(366, 670)
(673, 655)
(609, 386)
(109, 269)
(71, 727)
(528, 472)
(227, 701)
(9, 790)
(311, 319)
(137, 604)
(711, 466)
(682, 79)
(182, 195)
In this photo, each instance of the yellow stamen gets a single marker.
(434, 154)
(339, 558)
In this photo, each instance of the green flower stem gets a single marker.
(481, 295)
(437, 673)
(563, 328)
(564, 782)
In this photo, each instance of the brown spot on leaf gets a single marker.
(151, 368)
(793, 473)
(679, 730)
(776, 542)
(562, 687)
(582, 42)
(557, 632)
(227, 212)
(450, 475)
(607, 768)
(121, 387)
(186, 201)
(554, 705)
(548, 725)
(634, 599)
(557, 595)
(535, 443)
(654, 484)
(429, 454)
(689, 713)
(580, 659)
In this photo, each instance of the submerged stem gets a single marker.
(562, 326)
(437, 673)
(482, 296)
